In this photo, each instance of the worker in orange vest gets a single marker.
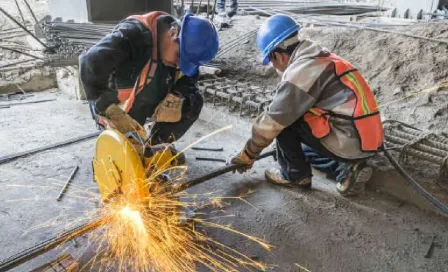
(323, 114)
(147, 68)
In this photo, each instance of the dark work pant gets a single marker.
(298, 150)
(170, 132)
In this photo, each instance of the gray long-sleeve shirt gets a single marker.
(309, 81)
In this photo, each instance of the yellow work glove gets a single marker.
(244, 160)
(121, 121)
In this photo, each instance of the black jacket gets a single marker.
(116, 62)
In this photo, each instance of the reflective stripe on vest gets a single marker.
(127, 96)
(365, 116)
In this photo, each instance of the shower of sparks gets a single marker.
(158, 237)
(154, 234)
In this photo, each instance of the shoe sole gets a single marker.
(287, 185)
(360, 182)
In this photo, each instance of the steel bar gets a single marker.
(11, 157)
(208, 149)
(24, 28)
(31, 102)
(67, 183)
(16, 63)
(210, 159)
(216, 173)
(417, 150)
(32, 13)
(41, 248)
(20, 12)
(436, 146)
(20, 52)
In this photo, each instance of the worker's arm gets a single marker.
(98, 64)
(298, 91)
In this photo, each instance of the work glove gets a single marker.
(244, 160)
(117, 119)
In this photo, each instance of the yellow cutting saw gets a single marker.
(121, 171)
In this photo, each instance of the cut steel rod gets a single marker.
(67, 183)
(208, 149)
(11, 157)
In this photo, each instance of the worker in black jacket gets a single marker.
(147, 68)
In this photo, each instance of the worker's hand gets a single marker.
(121, 121)
(244, 160)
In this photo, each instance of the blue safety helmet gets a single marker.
(198, 44)
(273, 32)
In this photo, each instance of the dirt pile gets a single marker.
(395, 66)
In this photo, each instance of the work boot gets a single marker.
(358, 175)
(276, 177)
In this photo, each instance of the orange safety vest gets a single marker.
(365, 116)
(127, 96)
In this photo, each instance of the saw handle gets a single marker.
(214, 174)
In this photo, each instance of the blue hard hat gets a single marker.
(198, 44)
(273, 32)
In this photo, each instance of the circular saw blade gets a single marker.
(118, 169)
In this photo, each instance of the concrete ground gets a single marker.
(319, 230)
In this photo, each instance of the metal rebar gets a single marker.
(21, 52)
(417, 145)
(16, 63)
(216, 173)
(24, 28)
(11, 157)
(32, 13)
(210, 159)
(45, 246)
(443, 148)
(20, 12)
(67, 183)
(416, 153)
(208, 149)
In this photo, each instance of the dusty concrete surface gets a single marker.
(319, 229)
